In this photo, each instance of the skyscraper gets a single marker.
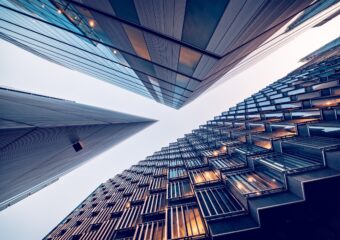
(43, 138)
(331, 49)
(170, 51)
(267, 168)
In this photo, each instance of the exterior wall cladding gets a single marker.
(167, 50)
(44, 138)
(268, 169)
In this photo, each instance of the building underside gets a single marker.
(170, 51)
(43, 138)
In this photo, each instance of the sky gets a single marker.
(35, 216)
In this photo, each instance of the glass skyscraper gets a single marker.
(168, 50)
(267, 168)
(43, 138)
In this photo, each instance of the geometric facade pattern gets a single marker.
(267, 168)
(170, 51)
(43, 138)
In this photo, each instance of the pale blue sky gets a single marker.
(36, 215)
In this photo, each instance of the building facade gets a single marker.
(267, 168)
(43, 138)
(170, 51)
(331, 49)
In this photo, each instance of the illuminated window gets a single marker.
(203, 176)
(185, 221)
(251, 183)
(326, 102)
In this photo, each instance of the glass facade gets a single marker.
(215, 181)
(170, 51)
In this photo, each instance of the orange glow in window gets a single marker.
(239, 185)
(91, 23)
(224, 149)
(215, 153)
(251, 179)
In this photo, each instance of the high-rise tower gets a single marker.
(167, 50)
(43, 138)
(267, 168)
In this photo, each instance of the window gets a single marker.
(177, 173)
(137, 41)
(198, 177)
(150, 230)
(160, 171)
(176, 162)
(185, 221)
(287, 163)
(227, 162)
(139, 194)
(155, 203)
(193, 163)
(158, 184)
(120, 205)
(252, 183)
(200, 22)
(218, 202)
(144, 181)
(129, 218)
(179, 189)
(188, 60)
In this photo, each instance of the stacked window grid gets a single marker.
(211, 173)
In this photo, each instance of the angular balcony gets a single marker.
(218, 202)
(176, 163)
(119, 206)
(247, 150)
(325, 129)
(154, 206)
(160, 172)
(287, 163)
(144, 181)
(227, 162)
(158, 184)
(178, 190)
(151, 230)
(194, 163)
(139, 195)
(185, 222)
(177, 173)
(128, 222)
(249, 183)
(200, 177)
(310, 147)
